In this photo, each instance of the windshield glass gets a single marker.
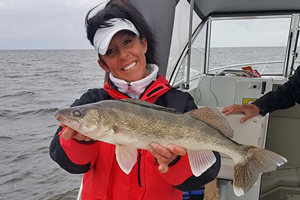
(256, 42)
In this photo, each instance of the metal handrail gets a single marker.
(190, 44)
(245, 64)
(80, 190)
(195, 76)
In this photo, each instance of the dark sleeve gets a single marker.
(56, 151)
(181, 101)
(91, 96)
(60, 157)
(197, 183)
(285, 96)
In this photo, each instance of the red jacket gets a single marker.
(105, 180)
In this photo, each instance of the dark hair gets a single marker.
(122, 9)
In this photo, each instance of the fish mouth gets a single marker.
(62, 119)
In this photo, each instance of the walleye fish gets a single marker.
(133, 124)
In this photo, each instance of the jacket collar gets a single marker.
(135, 89)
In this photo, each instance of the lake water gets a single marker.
(33, 85)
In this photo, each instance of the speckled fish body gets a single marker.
(134, 124)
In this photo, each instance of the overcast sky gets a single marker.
(59, 24)
(250, 33)
(44, 24)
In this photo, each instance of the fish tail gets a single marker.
(257, 161)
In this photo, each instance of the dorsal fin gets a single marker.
(214, 118)
(149, 105)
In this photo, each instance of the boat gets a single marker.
(226, 52)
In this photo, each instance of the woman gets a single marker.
(125, 47)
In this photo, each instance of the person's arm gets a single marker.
(74, 156)
(181, 177)
(178, 172)
(71, 154)
(285, 96)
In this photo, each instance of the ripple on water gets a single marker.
(19, 158)
(17, 114)
(4, 137)
(21, 95)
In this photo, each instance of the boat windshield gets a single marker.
(257, 42)
(265, 43)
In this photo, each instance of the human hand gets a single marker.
(249, 110)
(70, 133)
(164, 155)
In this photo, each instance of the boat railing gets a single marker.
(265, 63)
(195, 73)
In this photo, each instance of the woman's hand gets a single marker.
(70, 133)
(164, 155)
(249, 110)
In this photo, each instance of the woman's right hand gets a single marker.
(249, 110)
(70, 133)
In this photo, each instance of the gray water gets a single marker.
(33, 85)
(237, 55)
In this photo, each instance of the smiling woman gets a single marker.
(125, 57)
(126, 50)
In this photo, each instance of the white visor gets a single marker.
(103, 36)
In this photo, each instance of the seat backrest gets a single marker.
(284, 135)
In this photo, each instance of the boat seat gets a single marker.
(283, 138)
(284, 135)
(292, 197)
(279, 178)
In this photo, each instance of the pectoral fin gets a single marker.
(122, 136)
(126, 157)
(200, 161)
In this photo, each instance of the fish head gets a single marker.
(83, 119)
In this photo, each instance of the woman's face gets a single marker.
(125, 57)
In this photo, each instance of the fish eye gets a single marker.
(77, 113)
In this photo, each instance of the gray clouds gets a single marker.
(251, 32)
(44, 24)
(59, 24)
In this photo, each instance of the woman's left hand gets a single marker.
(164, 155)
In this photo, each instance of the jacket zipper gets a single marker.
(139, 168)
(129, 86)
